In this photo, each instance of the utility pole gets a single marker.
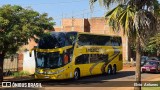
(72, 22)
(61, 22)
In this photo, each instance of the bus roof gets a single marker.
(85, 33)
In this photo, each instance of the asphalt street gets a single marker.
(124, 78)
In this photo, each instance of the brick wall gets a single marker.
(96, 25)
(20, 62)
(73, 24)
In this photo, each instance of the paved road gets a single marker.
(124, 78)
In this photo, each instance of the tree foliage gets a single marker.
(137, 18)
(154, 43)
(18, 24)
(132, 15)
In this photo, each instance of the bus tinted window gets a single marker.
(61, 38)
(94, 58)
(48, 42)
(116, 41)
(82, 59)
(71, 37)
(85, 39)
(57, 40)
(91, 58)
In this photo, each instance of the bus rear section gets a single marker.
(97, 54)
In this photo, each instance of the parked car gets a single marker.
(144, 60)
(151, 66)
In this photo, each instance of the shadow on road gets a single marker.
(89, 81)
(110, 77)
(95, 80)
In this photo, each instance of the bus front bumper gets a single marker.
(43, 76)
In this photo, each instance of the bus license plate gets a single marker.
(46, 76)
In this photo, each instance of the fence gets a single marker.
(10, 64)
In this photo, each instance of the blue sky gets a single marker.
(59, 9)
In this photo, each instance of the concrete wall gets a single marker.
(28, 62)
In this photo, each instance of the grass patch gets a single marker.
(20, 74)
(150, 88)
(155, 85)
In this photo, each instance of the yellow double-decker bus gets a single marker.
(64, 55)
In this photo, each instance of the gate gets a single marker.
(10, 64)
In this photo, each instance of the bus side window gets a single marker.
(84, 40)
(82, 59)
(99, 57)
(116, 41)
(70, 53)
(120, 57)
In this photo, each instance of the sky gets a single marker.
(58, 9)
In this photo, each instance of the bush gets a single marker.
(20, 74)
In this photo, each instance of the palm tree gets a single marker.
(137, 19)
(154, 43)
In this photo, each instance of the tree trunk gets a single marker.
(2, 55)
(138, 67)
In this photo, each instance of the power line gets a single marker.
(70, 14)
(79, 14)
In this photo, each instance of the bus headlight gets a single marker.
(39, 71)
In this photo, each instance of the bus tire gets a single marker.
(109, 71)
(114, 71)
(76, 74)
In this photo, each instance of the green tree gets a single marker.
(17, 25)
(137, 19)
(154, 44)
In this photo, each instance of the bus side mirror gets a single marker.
(30, 54)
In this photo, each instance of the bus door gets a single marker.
(82, 62)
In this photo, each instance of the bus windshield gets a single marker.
(57, 40)
(48, 60)
(51, 42)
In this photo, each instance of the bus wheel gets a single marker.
(109, 71)
(76, 74)
(114, 69)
